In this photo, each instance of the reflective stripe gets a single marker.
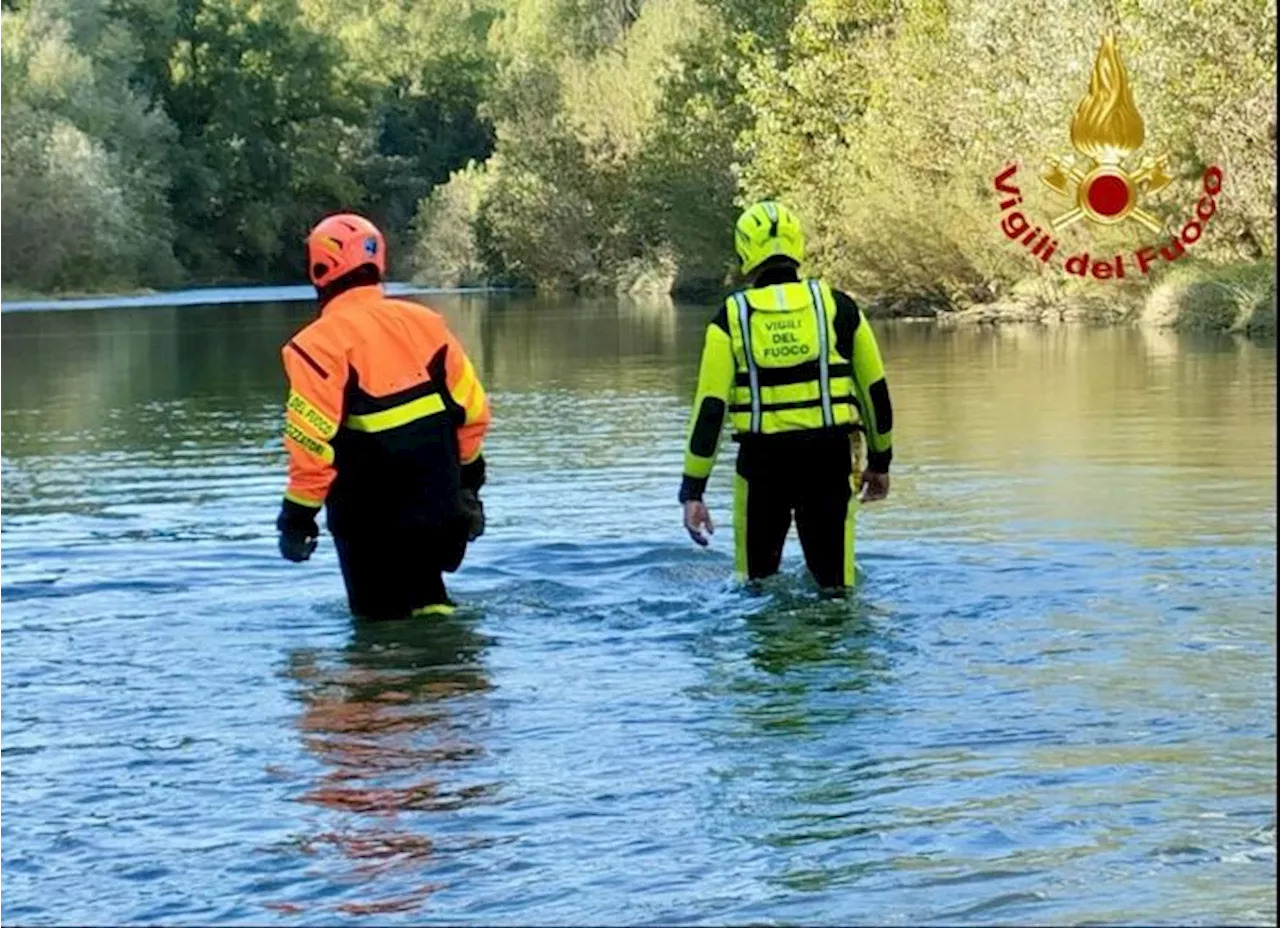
(433, 609)
(780, 407)
(420, 408)
(469, 394)
(824, 380)
(753, 374)
(302, 500)
(474, 407)
(312, 416)
(309, 443)
(463, 387)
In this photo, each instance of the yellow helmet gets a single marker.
(766, 229)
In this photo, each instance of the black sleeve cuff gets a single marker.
(473, 475)
(878, 461)
(691, 488)
(297, 519)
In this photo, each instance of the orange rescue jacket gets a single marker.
(384, 412)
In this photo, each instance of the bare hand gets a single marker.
(696, 517)
(874, 485)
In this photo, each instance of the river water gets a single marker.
(1052, 700)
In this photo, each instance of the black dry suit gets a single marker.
(796, 366)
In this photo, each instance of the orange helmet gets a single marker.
(341, 243)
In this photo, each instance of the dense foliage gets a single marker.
(597, 143)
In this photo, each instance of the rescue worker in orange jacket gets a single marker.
(385, 427)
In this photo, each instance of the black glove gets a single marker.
(298, 531)
(473, 475)
(472, 513)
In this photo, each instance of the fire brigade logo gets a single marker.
(1106, 129)
(1103, 184)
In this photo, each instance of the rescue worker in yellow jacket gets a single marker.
(384, 426)
(796, 366)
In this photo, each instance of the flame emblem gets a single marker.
(1106, 129)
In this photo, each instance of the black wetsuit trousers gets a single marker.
(806, 476)
(389, 575)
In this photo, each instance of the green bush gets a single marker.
(447, 247)
(1205, 298)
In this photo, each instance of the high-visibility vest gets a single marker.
(789, 375)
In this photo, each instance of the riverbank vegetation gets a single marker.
(607, 145)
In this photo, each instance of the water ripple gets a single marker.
(1051, 700)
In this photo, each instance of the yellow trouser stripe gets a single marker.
(309, 443)
(434, 609)
(850, 518)
(394, 418)
(312, 416)
(740, 488)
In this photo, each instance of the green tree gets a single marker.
(83, 171)
(422, 72)
(558, 208)
(601, 144)
(884, 123)
(265, 135)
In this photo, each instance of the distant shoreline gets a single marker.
(207, 296)
(1238, 300)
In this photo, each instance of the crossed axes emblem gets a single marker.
(1099, 194)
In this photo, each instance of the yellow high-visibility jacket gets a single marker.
(793, 356)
